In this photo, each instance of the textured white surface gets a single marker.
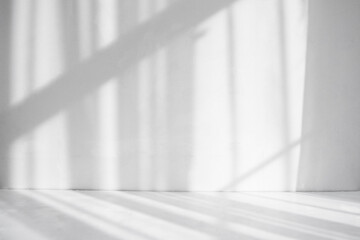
(330, 155)
(151, 95)
(180, 95)
(55, 215)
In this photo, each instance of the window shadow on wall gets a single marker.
(75, 92)
(124, 95)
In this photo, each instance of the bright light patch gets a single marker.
(264, 116)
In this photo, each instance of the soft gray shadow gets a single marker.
(169, 216)
(82, 79)
(81, 116)
(317, 194)
(128, 112)
(5, 68)
(179, 110)
(348, 231)
(330, 159)
(346, 197)
(226, 213)
(46, 220)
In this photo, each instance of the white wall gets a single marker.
(330, 157)
(173, 95)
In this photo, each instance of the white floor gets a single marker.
(84, 215)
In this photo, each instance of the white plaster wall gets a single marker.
(173, 95)
(330, 157)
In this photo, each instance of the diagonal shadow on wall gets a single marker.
(86, 77)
